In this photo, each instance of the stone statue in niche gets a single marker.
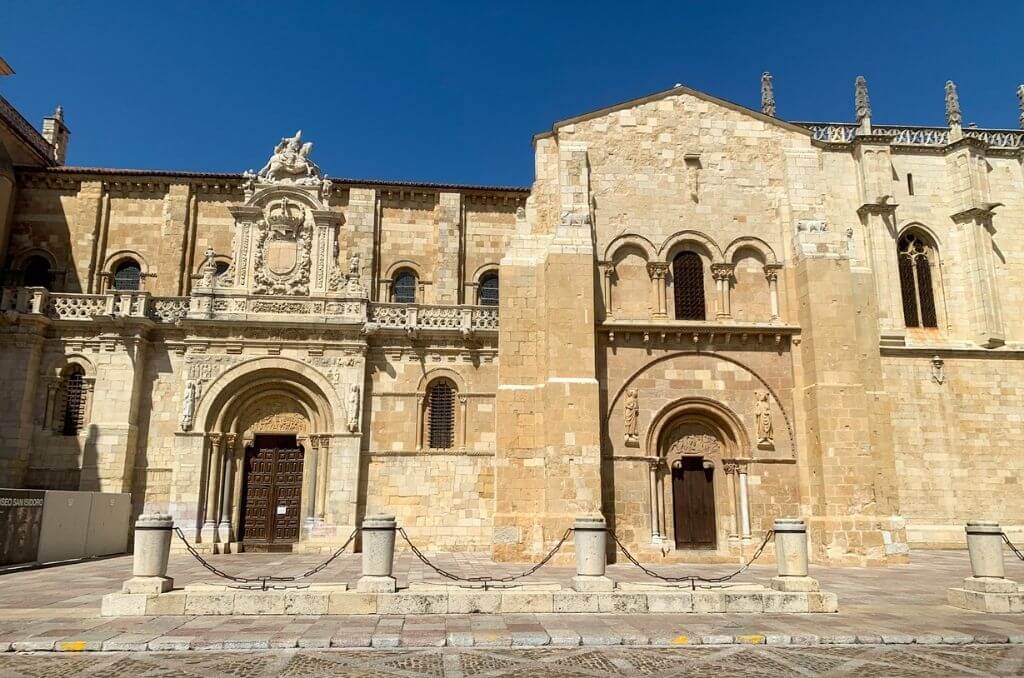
(631, 416)
(352, 406)
(763, 414)
(188, 404)
(290, 163)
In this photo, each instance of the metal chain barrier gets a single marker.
(692, 578)
(1016, 551)
(262, 581)
(484, 580)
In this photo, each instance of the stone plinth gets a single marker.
(378, 554)
(152, 550)
(336, 599)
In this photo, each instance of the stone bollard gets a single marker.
(591, 539)
(378, 554)
(152, 550)
(985, 548)
(791, 556)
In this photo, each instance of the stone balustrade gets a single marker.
(240, 306)
(843, 133)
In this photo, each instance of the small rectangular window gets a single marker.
(910, 183)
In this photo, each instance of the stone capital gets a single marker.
(657, 269)
(722, 271)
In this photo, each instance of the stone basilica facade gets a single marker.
(699, 317)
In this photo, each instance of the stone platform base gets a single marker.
(336, 599)
(985, 594)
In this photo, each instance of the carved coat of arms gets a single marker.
(283, 245)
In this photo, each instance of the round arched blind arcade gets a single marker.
(688, 284)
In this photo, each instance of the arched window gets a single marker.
(403, 287)
(441, 414)
(73, 400)
(220, 268)
(127, 275)
(488, 290)
(688, 281)
(37, 272)
(916, 256)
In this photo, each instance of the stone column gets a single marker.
(771, 274)
(152, 549)
(607, 276)
(378, 554)
(311, 467)
(420, 414)
(988, 589)
(226, 492)
(723, 273)
(744, 505)
(590, 535)
(653, 468)
(460, 434)
(209, 533)
(658, 270)
(323, 457)
(791, 556)
(659, 476)
(731, 472)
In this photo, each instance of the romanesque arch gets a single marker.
(268, 424)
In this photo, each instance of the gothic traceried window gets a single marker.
(688, 284)
(916, 257)
(127, 275)
(403, 287)
(73, 400)
(441, 414)
(489, 289)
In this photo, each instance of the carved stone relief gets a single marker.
(763, 414)
(274, 415)
(631, 416)
(692, 439)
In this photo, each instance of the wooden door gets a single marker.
(272, 493)
(693, 501)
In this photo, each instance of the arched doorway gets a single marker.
(696, 446)
(269, 426)
(691, 450)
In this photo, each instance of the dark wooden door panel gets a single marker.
(693, 499)
(273, 493)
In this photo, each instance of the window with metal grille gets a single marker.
(489, 289)
(915, 268)
(688, 284)
(73, 390)
(403, 287)
(37, 273)
(127, 275)
(441, 414)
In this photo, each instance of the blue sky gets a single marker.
(454, 91)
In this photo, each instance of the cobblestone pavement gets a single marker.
(57, 608)
(864, 660)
